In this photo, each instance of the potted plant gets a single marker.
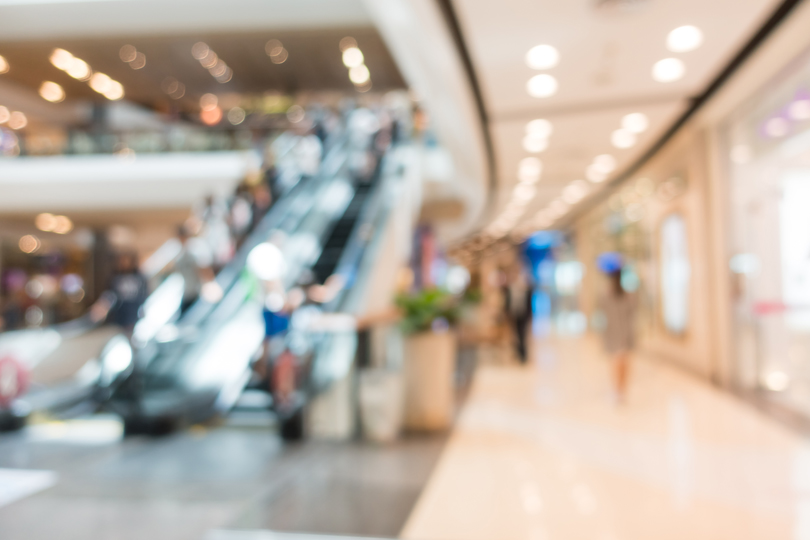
(428, 317)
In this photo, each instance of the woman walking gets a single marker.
(619, 308)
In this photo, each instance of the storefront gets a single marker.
(766, 147)
(657, 222)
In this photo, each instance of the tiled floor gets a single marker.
(544, 453)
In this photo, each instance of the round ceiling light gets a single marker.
(534, 144)
(605, 163)
(539, 128)
(359, 74)
(668, 70)
(684, 39)
(622, 138)
(542, 57)
(529, 170)
(542, 86)
(50, 91)
(635, 122)
(3, 65)
(353, 57)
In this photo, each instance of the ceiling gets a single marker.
(313, 64)
(604, 73)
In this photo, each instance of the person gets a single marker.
(188, 264)
(619, 307)
(520, 311)
(130, 289)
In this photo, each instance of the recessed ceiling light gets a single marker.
(529, 170)
(353, 57)
(17, 120)
(128, 53)
(542, 57)
(78, 69)
(534, 144)
(668, 70)
(635, 122)
(61, 59)
(50, 91)
(622, 138)
(540, 128)
(524, 192)
(605, 163)
(359, 74)
(684, 39)
(542, 86)
(575, 191)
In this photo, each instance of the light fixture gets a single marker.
(29, 243)
(524, 192)
(139, 62)
(347, 42)
(539, 128)
(115, 91)
(534, 144)
(236, 116)
(359, 74)
(575, 191)
(79, 69)
(200, 50)
(63, 225)
(5, 115)
(353, 57)
(605, 163)
(45, 222)
(127, 53)
(4, 67)
(276, 51)
(542, 86)
(684, 39)
(635, 122)
(529, 170)
(50, 91)
(668, 70)
(174, 88)
(17, 120)
(211, 117)
(622, 138)
(208, 102)
(61, 59)
(542, 57)
(100, 82)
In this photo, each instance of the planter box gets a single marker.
(430, 365)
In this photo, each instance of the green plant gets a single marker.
(421, 309)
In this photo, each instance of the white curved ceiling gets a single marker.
(604, 72)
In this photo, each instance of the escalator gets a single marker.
(73, 368)
(197, 367)
(339, 237)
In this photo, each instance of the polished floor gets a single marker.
(541, 452)
(230, 479)
(544, 452)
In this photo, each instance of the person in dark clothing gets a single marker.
(519, 294)
(130, 289)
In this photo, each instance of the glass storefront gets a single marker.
(768, 158)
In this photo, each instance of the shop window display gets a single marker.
(768, 156)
